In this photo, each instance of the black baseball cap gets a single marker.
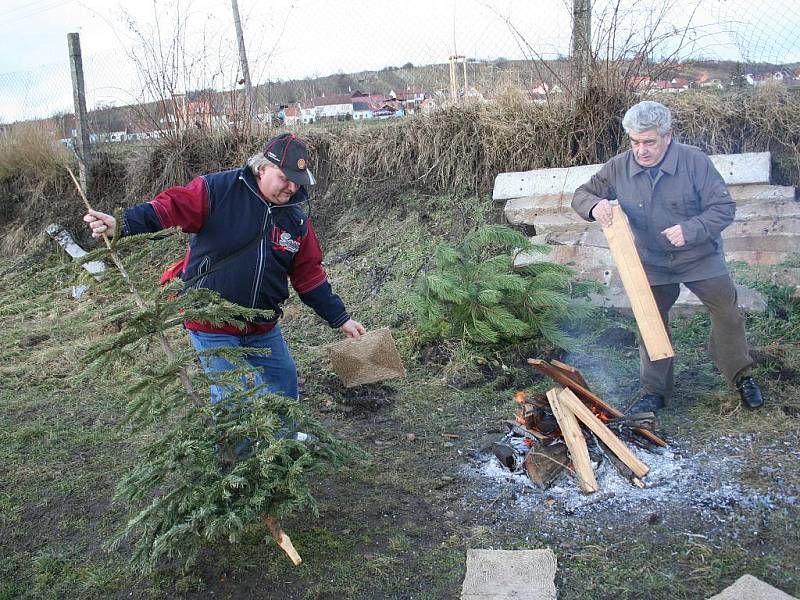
(290, 154)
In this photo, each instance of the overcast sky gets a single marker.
(307, 38)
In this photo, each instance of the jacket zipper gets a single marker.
(261, 249)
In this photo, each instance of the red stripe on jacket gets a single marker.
(184, 206)
(306, 271)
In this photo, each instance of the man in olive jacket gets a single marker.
(677, 204)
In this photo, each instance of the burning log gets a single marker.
(570, 372)
(576, 443)
(544, 465)
(588, 396)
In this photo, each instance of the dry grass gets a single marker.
(457, 151)
(28, 150)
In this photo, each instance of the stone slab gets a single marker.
(736, 169)
(538, 210)
(748, 587)
(757, 192)
(687, 303)
(757, 257)
(509, 575)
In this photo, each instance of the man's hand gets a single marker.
(100, 223)
(353, 329)
(601, 212)
(675, 235)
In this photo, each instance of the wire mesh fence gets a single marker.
(316, 48)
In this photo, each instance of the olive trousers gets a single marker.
(727, 345)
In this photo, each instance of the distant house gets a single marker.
(428, 106)
(362, 109)
(292, 115)
(337, 107)
(712, 83)
(308, 113)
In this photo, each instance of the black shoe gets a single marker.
(750, 392)
(647, 403)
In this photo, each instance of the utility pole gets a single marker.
(581, 45)
(79, 101)
(454, 76)
(248, 87)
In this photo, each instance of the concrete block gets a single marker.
(752, 202)
(756, 257)
(770, 235)
(510, 575)
(736, 169)
(747, 193)
(615, 298)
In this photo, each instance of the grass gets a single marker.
(396, 524)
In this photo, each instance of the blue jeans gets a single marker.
(274, 369)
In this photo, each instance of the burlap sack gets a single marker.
(372, 358)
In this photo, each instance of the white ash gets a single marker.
(706, 481)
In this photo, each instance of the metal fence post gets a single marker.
(82, 149)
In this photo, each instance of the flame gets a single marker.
(519, 397)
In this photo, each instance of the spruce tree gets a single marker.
(474, 293)
(208, 474)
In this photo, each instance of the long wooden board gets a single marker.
(578, 408)
(576, 443)
(631, 272)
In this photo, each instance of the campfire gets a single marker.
(569, 429)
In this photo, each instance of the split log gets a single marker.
(590, 397)
(634, 280)
(576, 443)
(283, 540)
(570, 400)
(544, 465)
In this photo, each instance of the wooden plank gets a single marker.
(579, 409)
(589, 396)
(631, 272)
(576, 443)
(736, 169)
(571, 372)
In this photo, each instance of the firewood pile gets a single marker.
(569, 428)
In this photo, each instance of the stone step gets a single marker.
(768, 201)
(757, 257)
(736, 169)
(766, 235)
(750, 300)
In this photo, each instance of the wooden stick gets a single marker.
(634, 280)
(162, 339)
(576, 443)
(571, 401)
(589, 397)
(283, 540)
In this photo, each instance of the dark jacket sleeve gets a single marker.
(310, 281)
(716, 205)
(184, 206)
(599, 187)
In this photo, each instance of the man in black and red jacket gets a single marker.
(251, 219)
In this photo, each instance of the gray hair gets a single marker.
(647, 115)
(255, 162)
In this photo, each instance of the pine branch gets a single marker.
(162, 340)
